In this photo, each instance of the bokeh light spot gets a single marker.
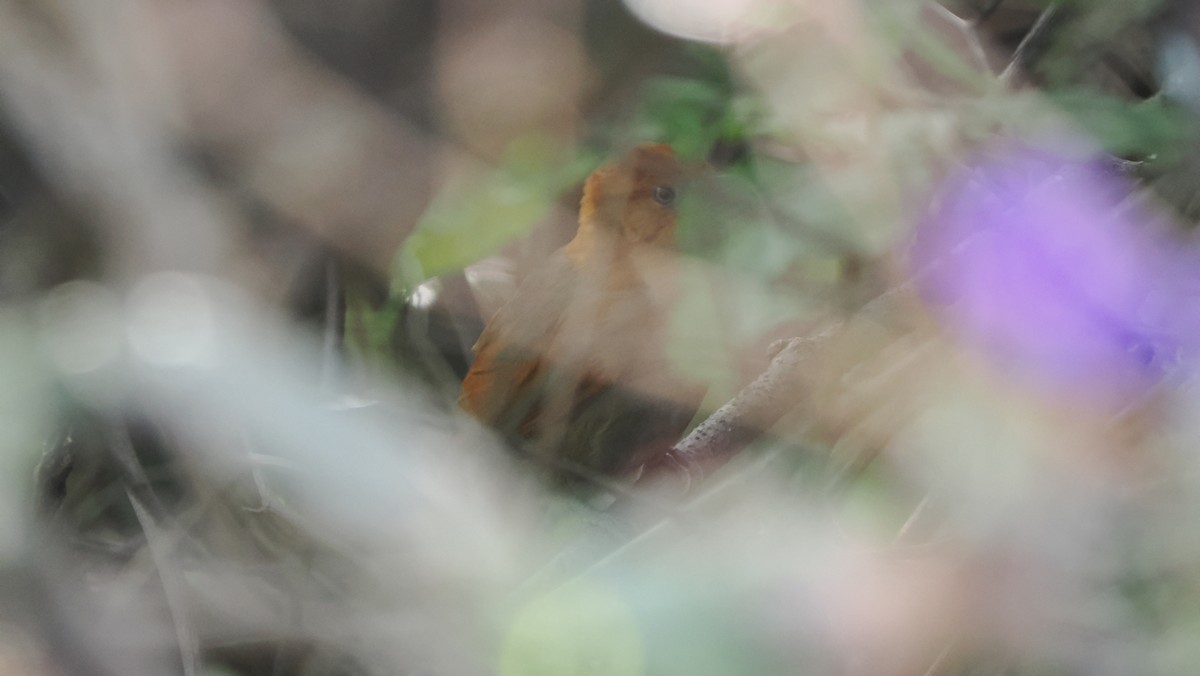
(81, 329)
(171, 320)
(581, 629)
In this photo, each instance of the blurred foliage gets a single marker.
(695, 112)
(913, 512)
(1146, 129)
(473, 219)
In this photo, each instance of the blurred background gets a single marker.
(938, 278)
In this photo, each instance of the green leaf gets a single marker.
(369, 329)
(580, 629)
(1126, 128)
(693, 112)
(475, 217)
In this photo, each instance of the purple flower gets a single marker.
(1050, 268)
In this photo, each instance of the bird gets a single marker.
(574, 369)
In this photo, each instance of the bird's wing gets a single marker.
(503, 386)
(617, 429)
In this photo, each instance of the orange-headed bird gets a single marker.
(574, 370)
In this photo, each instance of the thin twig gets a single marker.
(188, 645)
(736, 424)
(1023, 54)
(335, 321)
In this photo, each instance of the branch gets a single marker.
(838, 375)
(778, 390)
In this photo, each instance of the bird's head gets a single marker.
(631, 200)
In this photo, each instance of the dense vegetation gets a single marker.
(937, 274)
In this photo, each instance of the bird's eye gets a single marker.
(664, 195)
